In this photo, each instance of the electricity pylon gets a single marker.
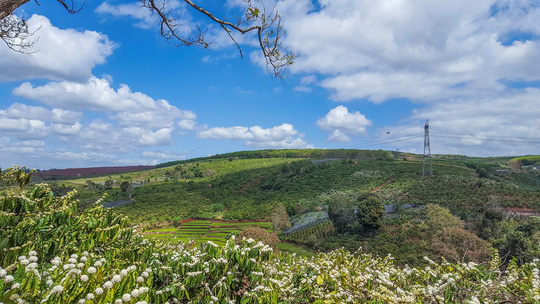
(427, 168)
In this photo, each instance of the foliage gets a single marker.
(459, 245)
(370, 213)
(341, 210)
(519, 240)
(258, 234)
(280, 218)
(311, 235)
(93, 256)
(438, 218)
(124, 186)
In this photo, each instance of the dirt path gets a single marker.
(381, 185)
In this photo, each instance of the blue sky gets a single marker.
(104, 88)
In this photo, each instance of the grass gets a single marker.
(291, 248)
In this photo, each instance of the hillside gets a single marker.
(54, 252)
(492, 198)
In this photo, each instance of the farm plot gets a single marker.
(202, 231)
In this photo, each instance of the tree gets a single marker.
(459, 245)
(341, 210)
(259, 234)
(370, 213)
(280, 219)
(438, 217)
(124, 186)
(108, 184)
(266, 24)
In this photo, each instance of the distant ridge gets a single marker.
(82, 172)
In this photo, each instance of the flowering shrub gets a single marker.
(51, 252)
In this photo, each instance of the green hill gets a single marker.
(52, 251)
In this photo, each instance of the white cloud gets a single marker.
(341, 122)
(66, 129)
(187, 124)
(146, 137)
(338, 136)
(421, 50)
(60, 54)
(132, 108)
(506, 125)
(283, 136)
(305, 83)
(134, 10)
(164, 155)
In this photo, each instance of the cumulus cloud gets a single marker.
(421, 50)
(283, 136)
(131, 108)
(64, 54)
(341, 122)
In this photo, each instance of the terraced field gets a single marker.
(202, 231)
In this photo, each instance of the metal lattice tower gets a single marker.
(426, 161)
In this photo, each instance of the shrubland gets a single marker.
(51, 251)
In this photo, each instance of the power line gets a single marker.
(374, 143)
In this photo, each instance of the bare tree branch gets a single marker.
(269, 31)
(14, 32)
(266, 25)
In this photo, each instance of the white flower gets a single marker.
(33, 258)
(108, 285)
(90, 296)
(57, 289)
(214, 298)
(140, 279)
(123, 272)
(74, 256)
(32, 253)
(116, 279)
(84, 278)
(85, 253)
(84, 259)
(8, 279)
(49, 282)
(97, 264)
(145, 274)
(144, 289)
(118, 301)
(126, 297)
(91, 270)
(99, 291)
(16, 285)
(80, 265)
(135, 293)
(82, 301)
(3, 273)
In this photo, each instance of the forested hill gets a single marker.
(490, 197)
(295, 153)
